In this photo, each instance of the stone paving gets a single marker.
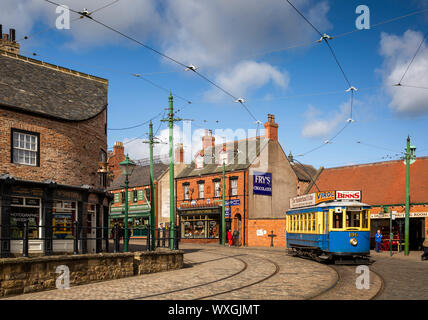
(213, 272)
(405, 277)
(223, 273)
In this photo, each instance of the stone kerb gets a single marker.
(25, 275)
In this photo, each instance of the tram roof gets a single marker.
(328, 205)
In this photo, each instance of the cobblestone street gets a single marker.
(223, 273)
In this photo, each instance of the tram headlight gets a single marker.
(353, 241)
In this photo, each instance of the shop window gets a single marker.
(25, 147)
(25, 209)
(63, 215)
(200, 226)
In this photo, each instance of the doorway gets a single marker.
(237, 226)
(91, 231)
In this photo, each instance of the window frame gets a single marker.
(12, 148)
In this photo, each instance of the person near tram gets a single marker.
(230, 237)
(378, 239)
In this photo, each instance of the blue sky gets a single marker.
(237, 44)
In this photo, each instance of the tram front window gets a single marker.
(353, 219)
(337, 220)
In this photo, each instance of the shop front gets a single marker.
(382, 222)
(50, 211)
(138, 219)
(200, 224)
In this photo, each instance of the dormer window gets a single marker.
(199, 162)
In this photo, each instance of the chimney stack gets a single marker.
(271, 128)
(208, 140)
(8, 41)
(179, 153)
(117, 157)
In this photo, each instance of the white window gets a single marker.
(25, 148)
(201, 190)
(217, 189)
(234, 187)
(186, 192)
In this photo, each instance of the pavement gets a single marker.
(215, 272)
(405, 277)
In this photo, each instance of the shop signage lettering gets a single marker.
(262, 183)
(325, 196)
(234, 202)
(227, 213)
(352, 195)
(303, 201)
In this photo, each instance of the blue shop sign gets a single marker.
(227, 213)
(262, 183)
(233, 202)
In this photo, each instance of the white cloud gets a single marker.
(397, 52)
(323, 127)
(248, 75)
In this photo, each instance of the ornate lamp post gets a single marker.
(127, 168)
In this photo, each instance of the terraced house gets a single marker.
(259, 181)
(53, 159)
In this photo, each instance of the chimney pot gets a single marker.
(1, 31)
(271, 128)
(12, 35)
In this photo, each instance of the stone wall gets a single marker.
(25, 275)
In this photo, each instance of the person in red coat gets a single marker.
(230, 237)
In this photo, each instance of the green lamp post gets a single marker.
(127, 168)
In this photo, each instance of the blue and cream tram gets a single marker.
(332, 225)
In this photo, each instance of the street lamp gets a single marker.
(127, 168)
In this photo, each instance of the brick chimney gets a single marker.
(115, 158)
(271, 128)
(208, 140)
(8, 41)
(179, 153)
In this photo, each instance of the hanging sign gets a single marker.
(303, 201)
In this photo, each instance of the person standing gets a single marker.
(236, 237)
(378, 239)
(230, 237)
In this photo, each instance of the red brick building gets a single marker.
(53, 164)
(259, 182)
(383, 186)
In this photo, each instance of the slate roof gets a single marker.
(381, 183)
(37, 87)
(304, 172)
(140, 176)
(243, 153)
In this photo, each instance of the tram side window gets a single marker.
(337, 220)
(313, 221)
(364, 219)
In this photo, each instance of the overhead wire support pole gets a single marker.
(171, 121)
(406, 218)
(152, 223)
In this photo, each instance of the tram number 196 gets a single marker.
(353, 235)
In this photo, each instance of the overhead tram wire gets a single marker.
(337, 36)
(413, 58)
(138, 125)
(155, 51)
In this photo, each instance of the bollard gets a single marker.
(25, 240)
(116, 239)
(76, 238)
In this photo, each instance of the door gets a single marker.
(91, 229)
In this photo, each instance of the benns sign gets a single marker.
(351, 195)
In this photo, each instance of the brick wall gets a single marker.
(69, 151)
(278, 227)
